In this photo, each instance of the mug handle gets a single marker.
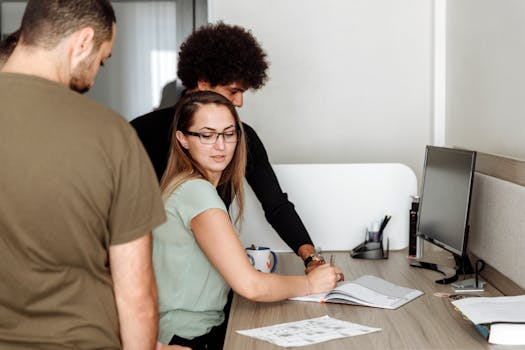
(252, 261)
(274, 262)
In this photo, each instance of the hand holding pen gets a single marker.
(340, 275)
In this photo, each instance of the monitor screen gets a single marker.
(445, 199)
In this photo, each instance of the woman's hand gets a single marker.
(322, 279)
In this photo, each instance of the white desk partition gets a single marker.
(336, 203)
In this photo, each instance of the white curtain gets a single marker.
(144, 58)
(142, 69)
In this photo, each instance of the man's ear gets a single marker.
(83, 42)
(203, 85)
(182, 139)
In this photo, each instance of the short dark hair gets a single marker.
(222, 54)
(7, 46)
(46, 22)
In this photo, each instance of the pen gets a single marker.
(340, 276)
(383, 225)
(385, 222)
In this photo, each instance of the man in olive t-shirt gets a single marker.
(78, 195)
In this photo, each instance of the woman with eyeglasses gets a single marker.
(197, 255)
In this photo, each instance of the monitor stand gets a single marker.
(463, 267)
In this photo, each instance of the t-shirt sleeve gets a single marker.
(193, 198)
(136, 206)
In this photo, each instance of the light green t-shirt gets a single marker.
(192, 294)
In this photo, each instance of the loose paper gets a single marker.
(307, 332)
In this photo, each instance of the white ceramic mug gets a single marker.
(261, 258)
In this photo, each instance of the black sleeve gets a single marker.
(279, 211)
(154, 130)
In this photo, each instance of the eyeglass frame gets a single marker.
(218, 134)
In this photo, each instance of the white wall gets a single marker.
(486, 112)
(486, 76)
(350, 80)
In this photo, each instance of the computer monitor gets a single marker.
(443, 217)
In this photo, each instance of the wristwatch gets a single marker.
(313, 257)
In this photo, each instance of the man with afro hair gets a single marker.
(227, 59)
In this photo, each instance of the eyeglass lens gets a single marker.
(210, 137)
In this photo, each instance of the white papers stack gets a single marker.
(307, 332)
(493, 309)
(501, 320)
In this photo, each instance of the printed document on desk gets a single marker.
(307, 332)
(366, 291)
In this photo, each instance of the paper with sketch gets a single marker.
(367, 291)
(307, 332)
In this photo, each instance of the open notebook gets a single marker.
(366, 291)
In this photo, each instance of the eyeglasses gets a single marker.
(211, 137)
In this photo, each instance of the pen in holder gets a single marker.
(372, 247)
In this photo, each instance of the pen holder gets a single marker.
(370, 250)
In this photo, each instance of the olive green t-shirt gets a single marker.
(74, 180)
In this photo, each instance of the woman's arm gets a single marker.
(217, 239)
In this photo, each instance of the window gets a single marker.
(142, 70)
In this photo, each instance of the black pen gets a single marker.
(383, 225)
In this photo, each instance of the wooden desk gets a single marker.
(429, 322)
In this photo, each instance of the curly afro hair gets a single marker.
(222, 54)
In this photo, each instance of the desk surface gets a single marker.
(429, 322)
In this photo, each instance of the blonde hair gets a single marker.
(182, 167)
